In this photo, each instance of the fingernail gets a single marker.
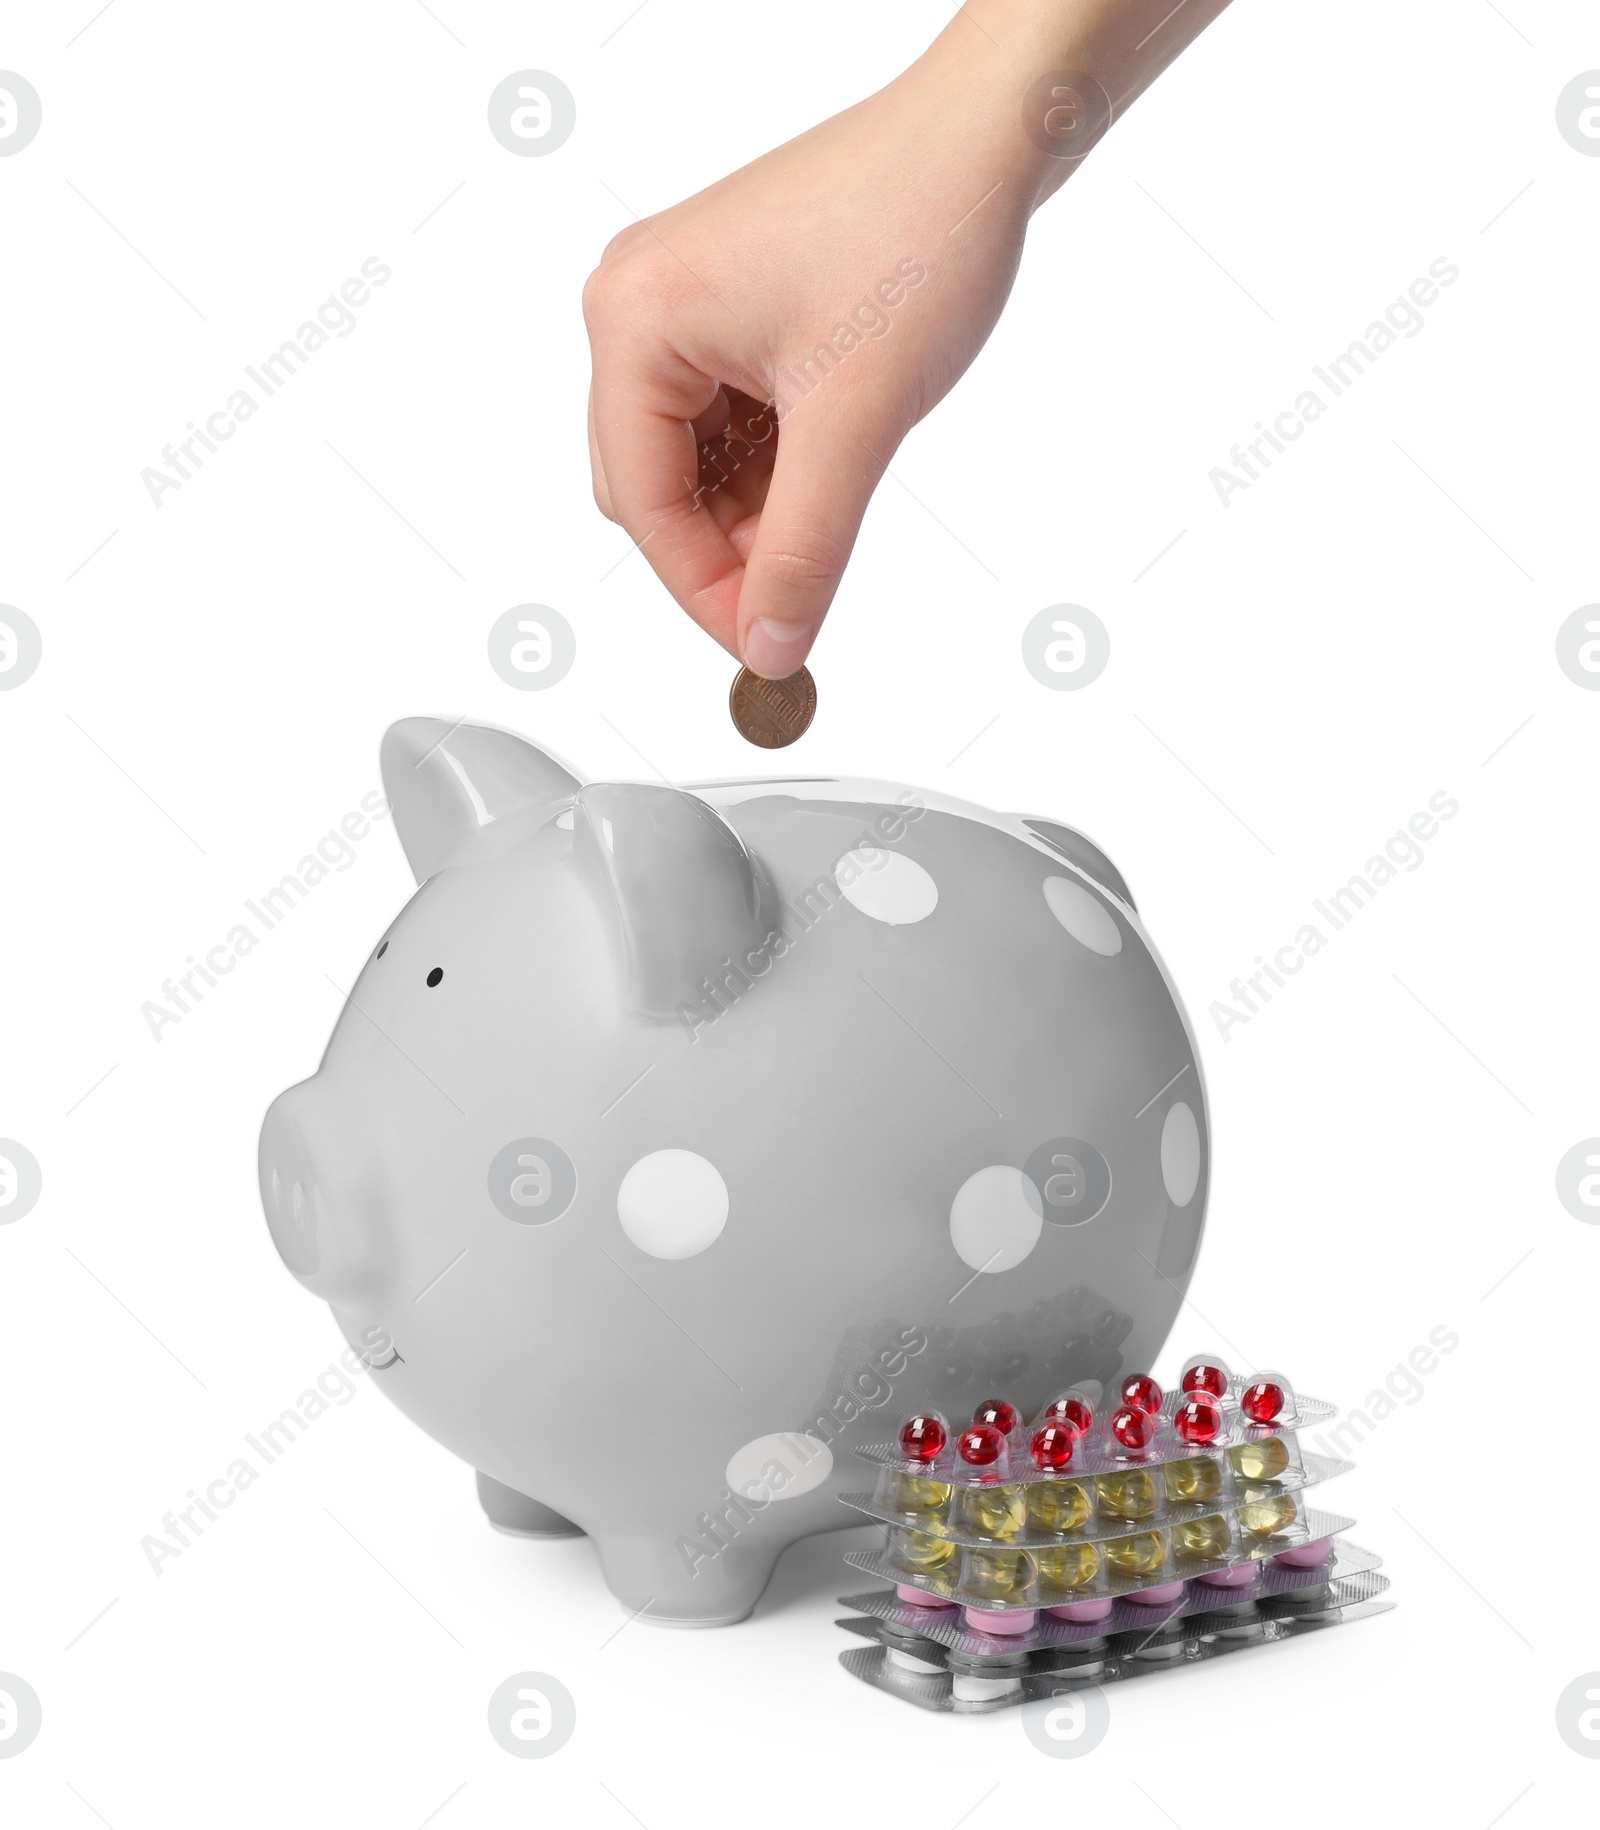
(775, 649)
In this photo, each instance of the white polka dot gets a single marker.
(1180, 1154)
(996, 1218)
(780, 1467)
(886, 886)
(1084, 916)
(672, 1203)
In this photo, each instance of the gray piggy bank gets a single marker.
(676, 1142)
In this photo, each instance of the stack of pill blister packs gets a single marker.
(1099, 1543)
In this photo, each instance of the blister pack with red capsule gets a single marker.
(1020, 1541)
(1096, 1432)
(1069, 1509)
(1069, 1476)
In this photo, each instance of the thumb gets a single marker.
(824, 473)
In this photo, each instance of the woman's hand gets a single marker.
(761, 349)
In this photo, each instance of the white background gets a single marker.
(1339, 644)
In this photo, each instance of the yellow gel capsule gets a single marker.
(1263, 1517)
(1200, 1479)
(914, 1494)
(1068, 1566)
(1058, 1505)
(994, 1512)
(1207, 1538)
(1127, 1496)
(915, 1550)
(999, 1574)
(1140, 1555)
(1264, 1460)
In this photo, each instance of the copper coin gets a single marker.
(772, 713)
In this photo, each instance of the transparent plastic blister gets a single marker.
(956, 1629)
(1073, 1507)
(980, 1685)
(1106, 1536)
(1140, 1426)
(1006, 1576)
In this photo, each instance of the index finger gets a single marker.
(645, 397)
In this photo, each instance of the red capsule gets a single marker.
(996, 1411)
(1205, 1376)
(1197, 1419)
(982, 1445)
(1133, 1427)
(1262, 1401)
(1142, 1392)
(1053, 1445)
(922, 1438)
(1072, 1408)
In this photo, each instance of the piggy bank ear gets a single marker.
(676, 889)
(1076, 849)
(462, 791)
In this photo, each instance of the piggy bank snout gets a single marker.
(315, 1229)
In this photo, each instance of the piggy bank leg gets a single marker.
(674, 1583)
(514, 1513)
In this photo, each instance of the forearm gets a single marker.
(997, 63)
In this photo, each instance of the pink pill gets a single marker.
(1157, 1597)
(992, 1620)
(1239, 1577)
(1305, 1556)
(1081, 1610)
(920, 1598)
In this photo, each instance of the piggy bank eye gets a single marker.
(383, 948)
(435, 976)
